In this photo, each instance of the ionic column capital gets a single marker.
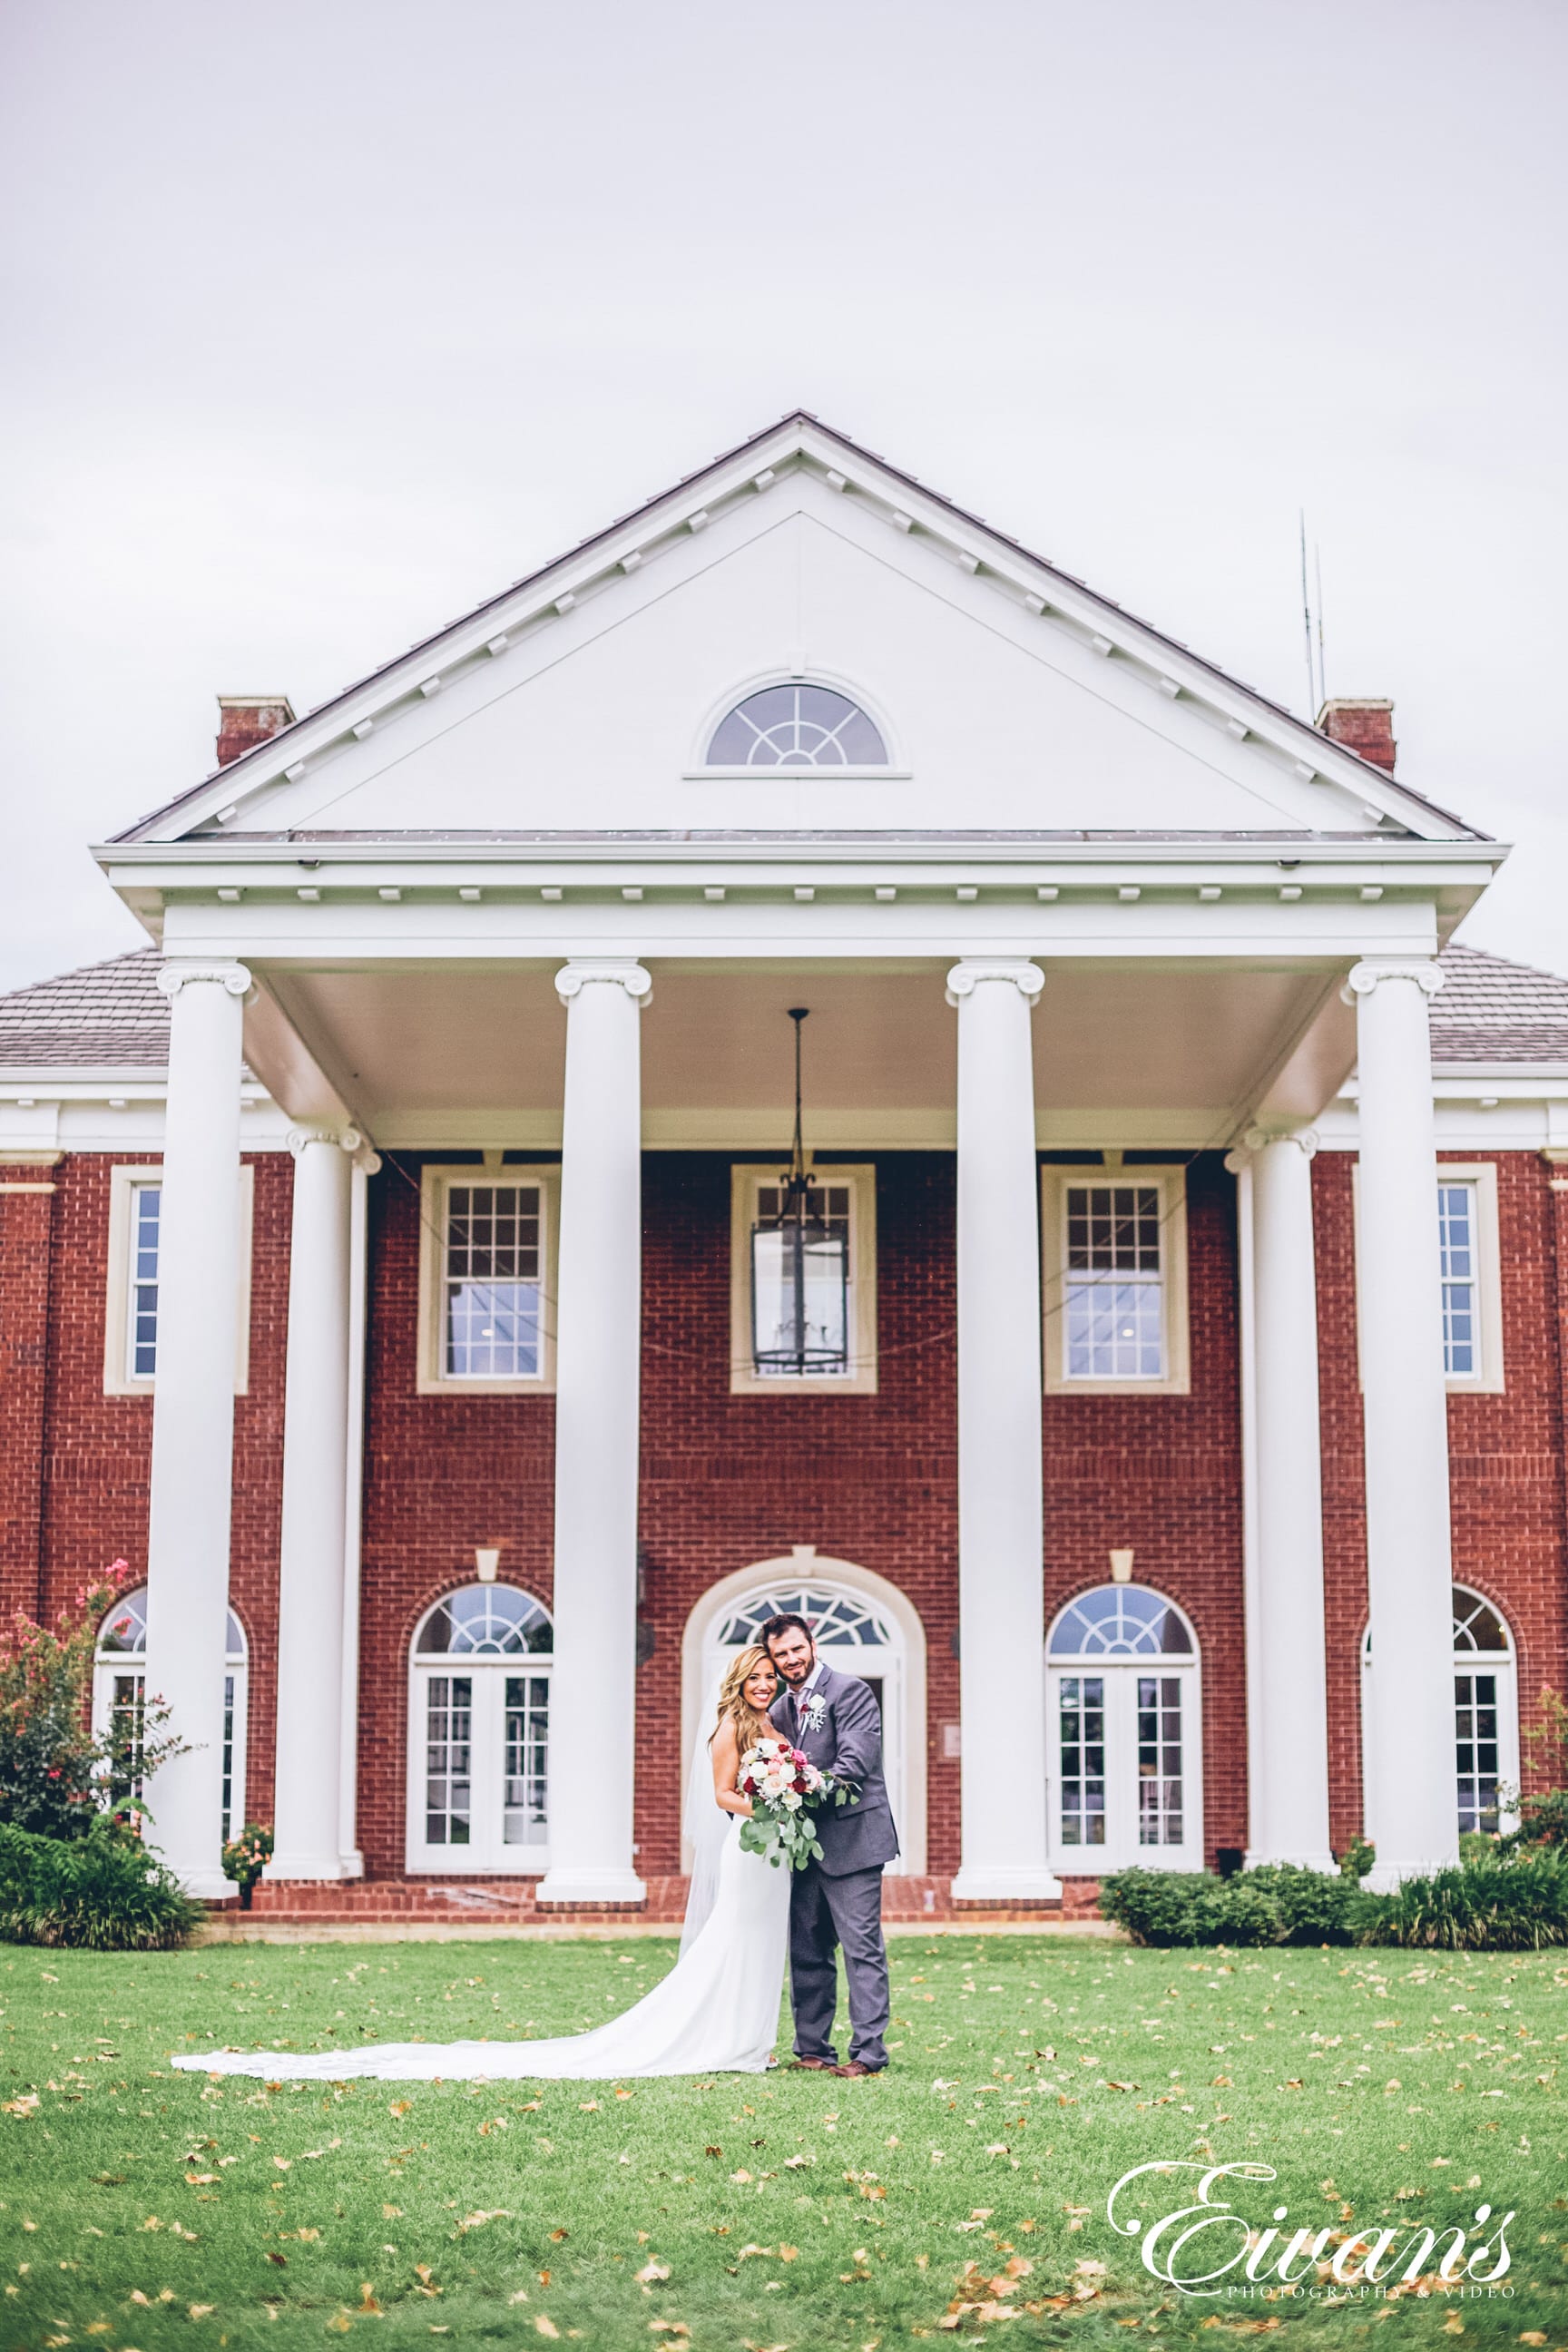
(347, 1140)
(1259, 1139)
(233, 978)
(966, 977)
(1365, 976)
(624, 972)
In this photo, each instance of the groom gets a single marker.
(834, 1719)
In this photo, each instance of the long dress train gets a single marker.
(717, 2011)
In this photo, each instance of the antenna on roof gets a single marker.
(1317, 688)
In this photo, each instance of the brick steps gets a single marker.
(393, 1907)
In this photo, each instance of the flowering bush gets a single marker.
(785, 1791)
(55, 1778)
(247, 1856)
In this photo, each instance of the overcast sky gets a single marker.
(325, 320)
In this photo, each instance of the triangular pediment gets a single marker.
(1010, 698)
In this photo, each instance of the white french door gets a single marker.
(479, 1775)
(1124, 1748)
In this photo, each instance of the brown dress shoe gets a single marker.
(813, 2066)
(855, 2068)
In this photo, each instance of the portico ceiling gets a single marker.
(1124, 1055)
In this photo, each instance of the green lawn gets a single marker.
(140, 2208)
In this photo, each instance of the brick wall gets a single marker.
(96, 1448)
(727, 1480)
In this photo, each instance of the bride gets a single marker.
(717, 2008)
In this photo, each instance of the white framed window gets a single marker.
(121, 1673)
(486, 1280)
(130, 1305)
(479, 1734)
(846, 1199)
(1114, 1268)
(796, 725)
(1485, 1717)
(1124, 1734)
(1470, 1275)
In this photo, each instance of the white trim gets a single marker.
(436, 1180)
(1120, 1758)
(348, 1796)
(1169, 1179)
(118, 1381)
(1490, 1379)
(745, 1177)
(487, 1856)
(806, 1565)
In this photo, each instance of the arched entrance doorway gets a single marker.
(863, 1625)
(1124, 1734)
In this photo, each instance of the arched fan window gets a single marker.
(1120, 1621)
(796, 727)
(486, 1621)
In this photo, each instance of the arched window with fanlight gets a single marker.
(478, 1733)
(1486, 1717)
(797, 725)
(1124, 1734)
(122, 1674)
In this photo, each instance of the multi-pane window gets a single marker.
(478, 1766)
(1081, 1707)
(1457, 1243)
(448, 1759)
(1159, 1760)
(796, 727)
(121, 1683)
(828, 1323)
(1486, 1717)
(837, 1285)
(1114, 1289)
(492, 1286)
(142, 1307)
(1476, 1750)
(525, 1817)
(1125, 1732)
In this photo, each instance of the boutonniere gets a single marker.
(815, 1711)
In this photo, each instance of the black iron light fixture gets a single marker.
(800, 1271)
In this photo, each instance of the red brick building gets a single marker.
(413, 1300)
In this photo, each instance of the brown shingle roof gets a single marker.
(107, 1015)
(1491, 1011)
(111, 1017)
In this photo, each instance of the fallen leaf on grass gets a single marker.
(480, 2220)
(279, 2262)
(557, 2235)
(651, 2273)
(392, 2212)
(399, 2106)
(545, 2327)
(367, 2302)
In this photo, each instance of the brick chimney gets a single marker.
(1361, 724)
(245, 720)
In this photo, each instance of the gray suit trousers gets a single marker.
(825, 1913)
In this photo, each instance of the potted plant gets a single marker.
(245, 1857)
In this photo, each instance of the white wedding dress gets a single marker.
(717, 2011)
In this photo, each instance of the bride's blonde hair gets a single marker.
(735, 1707)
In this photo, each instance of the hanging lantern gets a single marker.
(800, 1272)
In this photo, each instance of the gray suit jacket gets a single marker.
(847, 1742)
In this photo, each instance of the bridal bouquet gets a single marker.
(785, 1791)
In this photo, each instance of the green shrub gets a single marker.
(1278, 1903)
(104, 1892)
(1498, 1906)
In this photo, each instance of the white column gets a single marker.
(1287, 1679)
(193, 1412)
(598, 1321)
(1409, 1567)
(1000, 1534)
(365, 1167)
(308, 1765)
